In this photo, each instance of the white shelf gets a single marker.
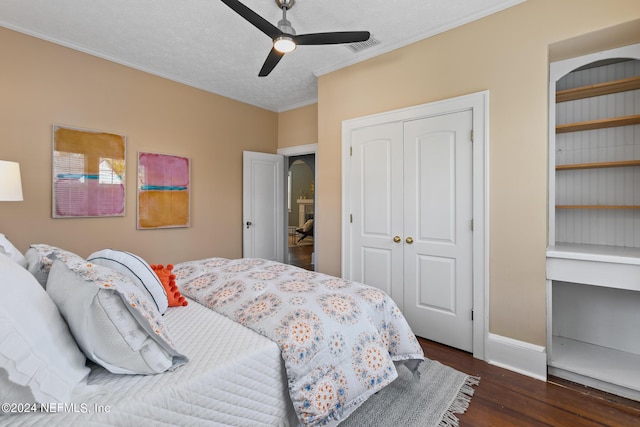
(598, 253)
(607, 266)
(614, 371)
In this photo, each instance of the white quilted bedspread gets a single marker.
(235, 377)
(339, 339)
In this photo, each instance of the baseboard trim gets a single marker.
(518, 356)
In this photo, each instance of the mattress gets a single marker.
(235, 377)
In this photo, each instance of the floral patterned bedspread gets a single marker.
(339, 339)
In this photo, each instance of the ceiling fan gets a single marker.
(284, 36)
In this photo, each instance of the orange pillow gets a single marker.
(168, 280)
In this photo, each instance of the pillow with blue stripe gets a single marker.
(136, 269)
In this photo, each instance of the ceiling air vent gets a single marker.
(360, 46)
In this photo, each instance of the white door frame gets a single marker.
(479, 103)
(301, 150)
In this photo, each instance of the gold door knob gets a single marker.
(397, 239)
(409, 240)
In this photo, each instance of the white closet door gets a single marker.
(376, 202)
(438, 246)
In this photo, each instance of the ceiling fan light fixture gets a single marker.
(284, 37)
(284, 44)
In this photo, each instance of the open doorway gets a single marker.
(301, 209)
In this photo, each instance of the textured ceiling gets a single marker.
(204, 44)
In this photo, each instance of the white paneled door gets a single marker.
(438, 201)
(412, 205)
(377, 208)
(262, 206)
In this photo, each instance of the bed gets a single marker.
(252, 342)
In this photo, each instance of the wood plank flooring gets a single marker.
(505, 398)
(300, 256)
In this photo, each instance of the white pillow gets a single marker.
(40, 257)
(7, 248)
(12, 392)
(137, 270)
(36, 349)
(112, 320)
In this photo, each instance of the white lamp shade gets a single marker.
(10, 183)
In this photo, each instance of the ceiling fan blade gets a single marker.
(258, 21)
(332, 38)
(269, 64)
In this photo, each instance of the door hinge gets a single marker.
(351, 218)
(471, 225)
(471, 314)
(472, 135)
(351, 151)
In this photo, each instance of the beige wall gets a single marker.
(507, 54)
(298, 126)
(42, 83)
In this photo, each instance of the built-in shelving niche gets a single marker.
(593, 258)
(598, 156)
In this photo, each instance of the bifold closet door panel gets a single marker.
(438, 210)
(376, 179)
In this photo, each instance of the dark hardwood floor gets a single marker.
(300, 256)
(505, 398)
